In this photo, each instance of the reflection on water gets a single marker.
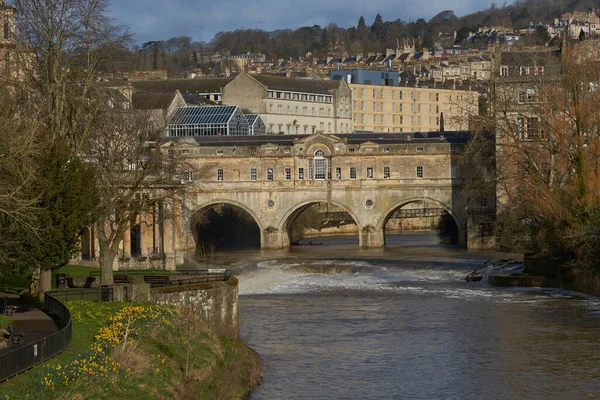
(402, 323)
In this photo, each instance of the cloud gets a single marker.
(200, 19)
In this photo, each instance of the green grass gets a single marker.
(219, 367)
(15, 283)
(4, 322)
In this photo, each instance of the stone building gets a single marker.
(7, 35)
(380, 105)
(292, 106)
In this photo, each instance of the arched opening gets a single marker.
(420, 223)
(223, 226)
(321, 224)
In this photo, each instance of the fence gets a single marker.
(151, 272)
(104, 293)
(221, 276)
(21, 359)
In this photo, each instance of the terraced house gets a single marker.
(292, 106)
(381, 104)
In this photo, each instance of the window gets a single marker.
(418, 108)
(374, 93)
(386, 172)
(484, 202)
(319, 165)
(386, 149)
(354, 92)
(533, 128)
(530, 94)
(288, 174)
(338, 173)
(419, 172)
(219, 174)
(401, 95)
(382, 95)
(252, 174)
(503, 70)
(374, 106)
(369, 172)
(269, 174)
(351, 149)
(437, 97)
(300, 174)
(419, 148)
(188, 176)
(382, 119)
(354, 105)
(362, 92)
(393, 95)
(520, 127)
(352, 172)
(523, 71)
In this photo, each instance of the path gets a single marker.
(32, 321)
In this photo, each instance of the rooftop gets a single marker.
(202, 115)
(297, 85)
(349, 138)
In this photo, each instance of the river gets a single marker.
(335, 322)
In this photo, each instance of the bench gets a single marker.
(15, 338)
(6, 309)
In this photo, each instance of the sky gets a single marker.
(202, 19)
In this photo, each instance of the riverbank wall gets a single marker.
(557, 274)
(216, 302)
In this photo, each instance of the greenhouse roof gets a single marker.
(251, 118)
(202, 115)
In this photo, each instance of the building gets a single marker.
(380, 105)
(292, 106)
(208, 121)
(7, 43)
(256, 124)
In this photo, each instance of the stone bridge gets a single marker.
(275, 178)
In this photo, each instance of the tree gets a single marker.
(70, 41)
(378, 28)
(548, 139)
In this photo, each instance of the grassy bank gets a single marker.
(140, 351)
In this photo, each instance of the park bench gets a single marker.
(15, 338)
(6, 309)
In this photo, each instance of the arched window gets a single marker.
(319, 165)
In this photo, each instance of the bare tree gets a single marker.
(548, 130)
(69, 42)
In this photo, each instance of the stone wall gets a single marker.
(217, 302)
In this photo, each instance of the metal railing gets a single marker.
(151, 272)
(90, 294)
(28, 356)
(221, 276)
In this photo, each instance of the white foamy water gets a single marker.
(283, 277)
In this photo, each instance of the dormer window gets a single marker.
(523, 71)
(503, 70)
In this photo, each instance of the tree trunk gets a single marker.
(106, 259)
(45, 282)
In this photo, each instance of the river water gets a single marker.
(334, 322)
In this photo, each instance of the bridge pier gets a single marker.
(371, 237)
(273, 239)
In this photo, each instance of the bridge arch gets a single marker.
(293, 212)
(214, 202)
(216, 231)
(386, 215)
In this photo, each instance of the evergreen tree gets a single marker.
(378, 28)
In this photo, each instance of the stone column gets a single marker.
(271, 238)
(371, 237)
